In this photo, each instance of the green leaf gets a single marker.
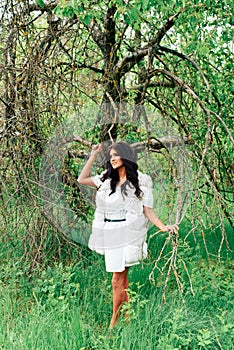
(61, 11)
(86, 19)
(133, 14)
(68, 12)
(203, 50)
(145, 5)
(40, 3)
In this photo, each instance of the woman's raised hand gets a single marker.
(96, 149)
(85, 178)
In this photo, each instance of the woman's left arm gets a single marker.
(149, 213)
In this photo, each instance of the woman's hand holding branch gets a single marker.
(85, 178)
(96, 149)
(172, 229)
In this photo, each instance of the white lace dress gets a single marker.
(120, 226)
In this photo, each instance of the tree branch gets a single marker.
(124, 66)
(97, 35)
(153, 144)
(109, 27)
(128, 62)
(195, 97)
(187, 58)
(78, 66)
(164, 29)
(153, 84)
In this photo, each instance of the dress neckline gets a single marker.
(119, 186)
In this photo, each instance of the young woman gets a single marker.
(124, 203)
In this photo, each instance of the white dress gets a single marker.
(121, 241)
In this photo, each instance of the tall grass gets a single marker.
(68, 306)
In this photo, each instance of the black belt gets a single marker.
(114, 220)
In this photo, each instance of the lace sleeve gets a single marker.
(146, 186)
(97, 180)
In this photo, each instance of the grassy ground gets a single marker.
(68, 306)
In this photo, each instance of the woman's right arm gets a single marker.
(85, 178)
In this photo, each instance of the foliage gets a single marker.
(56, 285)
(61, 58)
(118, 67)
(59, 307)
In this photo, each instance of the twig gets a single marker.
(116, 107)
(216, 335)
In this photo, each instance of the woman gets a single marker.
(124, 203)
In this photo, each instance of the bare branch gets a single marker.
(74, 65)
(195, 97)
(97, 35)
(153, 145)
(164, 29)
(128, 62)
(153, 84)
(187, 58)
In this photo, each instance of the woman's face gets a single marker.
(115, 160)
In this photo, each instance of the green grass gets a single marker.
(67, 305)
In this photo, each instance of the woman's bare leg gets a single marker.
(119, 285)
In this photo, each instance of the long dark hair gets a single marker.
(128, 157)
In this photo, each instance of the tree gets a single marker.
(173, 57)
